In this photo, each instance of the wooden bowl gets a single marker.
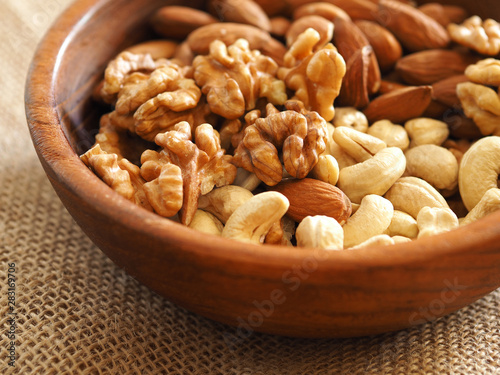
(287, 291)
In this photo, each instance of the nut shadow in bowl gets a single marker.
(287, 291)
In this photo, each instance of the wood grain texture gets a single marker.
(294, 292)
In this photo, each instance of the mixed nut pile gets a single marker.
(227, 124)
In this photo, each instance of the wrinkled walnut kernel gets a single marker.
(300, 134)
(234, 77)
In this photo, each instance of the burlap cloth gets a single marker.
(80, 314)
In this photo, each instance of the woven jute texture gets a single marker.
(77, 313)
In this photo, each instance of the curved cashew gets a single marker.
(479, 170)
(372, 218)
(326, 169)
(434, 164)
(402, 224)
(374, 176)
(435, 220)
(320, 231)
(223, 201)
(206, 222)
(490, 202)
(392, 134)
(350, 117)
(424, 131)
(358, 145)
(378, 240)
(251, 221)
(411, 194)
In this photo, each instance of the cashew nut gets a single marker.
(479, 170)
(326, 169)
(378, 240)
(350, 117)
(435, 220)
(411, 194)
(423, 131)
(490, 202)
(223, 201)
(434, 164)
(251, 221)
(320, 231)
(402, 224)
(392, 134)
(374, 176)
(343, 158)
(358, 145)
(206, 222)
(372, 218)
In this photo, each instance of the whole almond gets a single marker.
(178, 21)
(428, 67)
(400, 105)
(415, 30)
(199, 40)
(444, 14)
(240, 11)
(279, 26)
(272, 7)
(385, 45)
(445, 91)
(310, 197)
(156, 48)
(320, 24)
(348, 38)
(356, 9)
(354, 91)
(323, 9)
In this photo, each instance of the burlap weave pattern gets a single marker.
(80, 314)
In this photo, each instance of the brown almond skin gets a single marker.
(279, 26)
(400, 105)
(445, 91)
(444, 14)
(388, 86)
(320, 24)
(356, 9)
(156, 48)
(310, 197)
(385, 45)
(323, 9)
(178, 21)
(272, 7)
(431, 66)
(460, 126)
(455, 13)
(348, 38)
(354, 91)
(240, 11)
(415, 30)
(199, 40)
(435, 110)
